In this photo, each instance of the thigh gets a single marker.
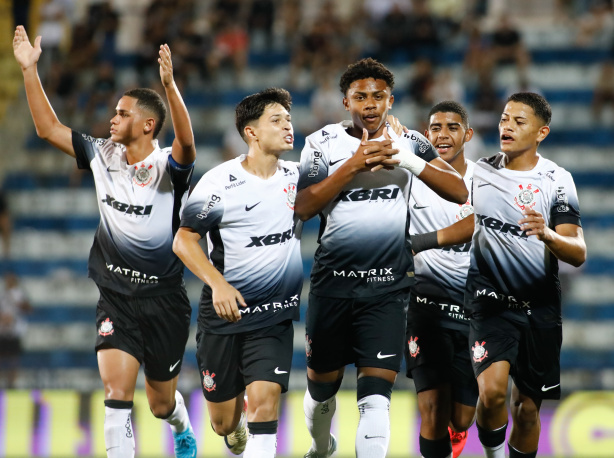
(118, 325)
(118, 372)
(493, 338)
(328, 333)
(165, 327)
(464, 384)
(429, 349)
(219, 365)
(538, 370)
(378, 332)
(267, 355)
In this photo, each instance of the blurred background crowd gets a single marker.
(474, 51)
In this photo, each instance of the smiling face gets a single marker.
(273, 131)
(129, 122)
(448, 135)
(368, 101)
(520, 130)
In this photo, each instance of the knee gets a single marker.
(525, 415)
(430, 408)
(162, 409)
(118, 394)
(263, 412)
(492, 397)
(221, 427)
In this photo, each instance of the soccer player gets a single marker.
(437, 330)
(526, 220)
(253, 275)
(143, 315)
(363, 266)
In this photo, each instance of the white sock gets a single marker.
(179, 419)
(261, 446)
(495, 452)
(373, 432)
(318, 417)
(118, 433)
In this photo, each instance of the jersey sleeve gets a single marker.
(314, 166)
(85, 148)
(181, 175)
(564, 206)
(420, 146)
(205, 207)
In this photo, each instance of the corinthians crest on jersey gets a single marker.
(526, 197)
(143, 174)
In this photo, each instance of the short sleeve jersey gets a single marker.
(139, 214)
(253, 240)
(364, 248)
(508, 268)
(440, 272)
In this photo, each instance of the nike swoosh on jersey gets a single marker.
(249, 208)
(173, 366)
(417, 207)
(373, 437)
(548, 388)
(277, 371)
(380, 356)
(331, 163)
(483, 184)
(109, 169)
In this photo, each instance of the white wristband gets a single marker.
(409, 160)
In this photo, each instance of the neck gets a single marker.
(139, 149)
(459, 163)
(521, 162)
(260, 164)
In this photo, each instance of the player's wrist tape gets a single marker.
(409, 160)
(421, 242)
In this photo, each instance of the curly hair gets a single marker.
(364, 69)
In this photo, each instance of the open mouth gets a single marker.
(507, 138)
(289, 138)
(443, 147)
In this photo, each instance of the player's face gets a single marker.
(128, 122)
(274, 130)
(448, 135)
(520, 130)
(368, 101)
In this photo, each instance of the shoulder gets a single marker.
(327, 133)
(496, 161)
(289, 167)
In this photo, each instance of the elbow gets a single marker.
(302, 215)
(460, 195)
(579, 260)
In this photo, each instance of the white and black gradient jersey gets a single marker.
(364, 248)
(139, 214)
(508, 268)
(253, 240)
(440, 273)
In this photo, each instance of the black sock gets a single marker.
(438, 448)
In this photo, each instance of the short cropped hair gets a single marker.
(364, 69)
(450, 106)
(540, 105)
(150, 100)
(252, 106)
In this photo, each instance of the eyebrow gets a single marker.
(372, 92)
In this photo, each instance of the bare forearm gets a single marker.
(182, 125)
(457, 233)
(571, 250)
(312, 200)
(448, 184)
(194, 258)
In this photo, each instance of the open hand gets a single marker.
(25, 54)
(166, 65)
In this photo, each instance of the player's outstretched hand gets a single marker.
(377, 153)
(533, 223)
(25, 54)
(166, 65)
(225, 298)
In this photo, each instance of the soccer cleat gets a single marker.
(458, 441)
(185, 444)
(237, 440)
(332, 447)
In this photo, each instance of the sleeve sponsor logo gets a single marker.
(561, 200)
(209, 204)
(315, 163)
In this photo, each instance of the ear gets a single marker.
(468, 134)
(542, 133)
(346, 104)
(390, 101)
(249, 133)
(149, 126)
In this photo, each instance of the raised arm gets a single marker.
(48, 126)
(225, 296)
(312, 200)
(184, 151)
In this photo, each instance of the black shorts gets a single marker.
(533, 353)
(435, 355)
(227, 363)
(153, 329)
(369, 332)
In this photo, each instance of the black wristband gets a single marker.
(421, 242)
